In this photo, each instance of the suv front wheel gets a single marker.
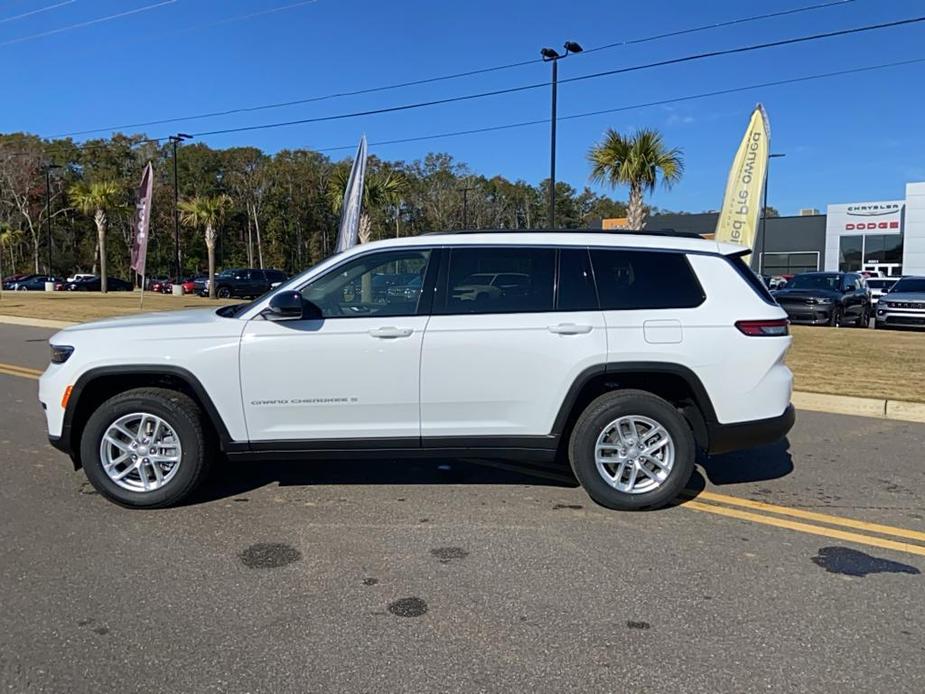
(145, 448)
(632, 450)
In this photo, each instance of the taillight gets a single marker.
(764, 328)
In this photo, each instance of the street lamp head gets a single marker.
(572, 47)
(549, 54)
(184, 136)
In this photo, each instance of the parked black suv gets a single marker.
(826, 298)
(242, 283)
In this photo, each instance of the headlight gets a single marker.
(823, 301)
(61, 353)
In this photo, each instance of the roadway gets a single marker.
(793, 567)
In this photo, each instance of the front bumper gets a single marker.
(899, 317)
(724, 438)
(809, 314)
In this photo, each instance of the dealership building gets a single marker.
(884, 235)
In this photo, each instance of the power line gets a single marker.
(451, 76)
(37, 11)
(586, 114)
(660, 102)
(596, 75)
(719, 25)
(90, 22)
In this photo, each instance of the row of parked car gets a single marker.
(229, 284)
(852, 298)
(235, 283)
(76, 283)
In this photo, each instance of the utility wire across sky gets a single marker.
(452, 76)
(580, 78)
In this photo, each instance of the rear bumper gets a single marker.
(724, 438)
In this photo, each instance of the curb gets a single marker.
(899, 410)
(35, 322)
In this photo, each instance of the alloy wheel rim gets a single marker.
(140, 452)
(634, 454)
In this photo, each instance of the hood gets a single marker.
(904, 296)
(166, 319)
(806, 294)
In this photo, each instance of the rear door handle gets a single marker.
(569, 329)
(390, 332)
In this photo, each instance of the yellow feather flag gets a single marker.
(738, 219)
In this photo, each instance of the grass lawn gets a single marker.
(86, 306)
(843, 361)
(866, 363)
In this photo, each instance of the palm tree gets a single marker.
(636, 161)
(208, 213)
(97, 199)
(379, 189)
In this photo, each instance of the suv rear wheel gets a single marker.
(632, 450)
(145, 448)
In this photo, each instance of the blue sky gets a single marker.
(846, 139)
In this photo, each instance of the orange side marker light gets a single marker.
(66, 397)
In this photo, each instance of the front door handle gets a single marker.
(569, 329)
(390, 332)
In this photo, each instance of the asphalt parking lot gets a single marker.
(793, 567)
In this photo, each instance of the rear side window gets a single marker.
(500, 280)
(628, 280)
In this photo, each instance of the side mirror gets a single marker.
(284, 306)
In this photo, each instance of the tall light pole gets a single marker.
(550, 55)
(465, 191)
(764, 212)
(48, 168)
(179, 137)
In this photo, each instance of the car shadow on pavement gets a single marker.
(759, 464)
(230, 478)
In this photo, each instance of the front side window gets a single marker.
(500, 280)
(377, 284)
(628, 280)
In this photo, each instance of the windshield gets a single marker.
(827, 282)
(911, 284)
(880, 284)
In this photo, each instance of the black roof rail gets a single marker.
(626, 232)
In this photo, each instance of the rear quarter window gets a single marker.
(631, 280)
(753, 280)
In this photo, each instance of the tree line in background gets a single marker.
(243, 207)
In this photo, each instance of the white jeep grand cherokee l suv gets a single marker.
(622, 352)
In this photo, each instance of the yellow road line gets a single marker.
(807, 515)
(807, 528)
(20, 374)
(24, 369)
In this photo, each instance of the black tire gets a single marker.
(837, 316)
(863, 319)
(181, 414)
(606, 409)
(223, 293)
